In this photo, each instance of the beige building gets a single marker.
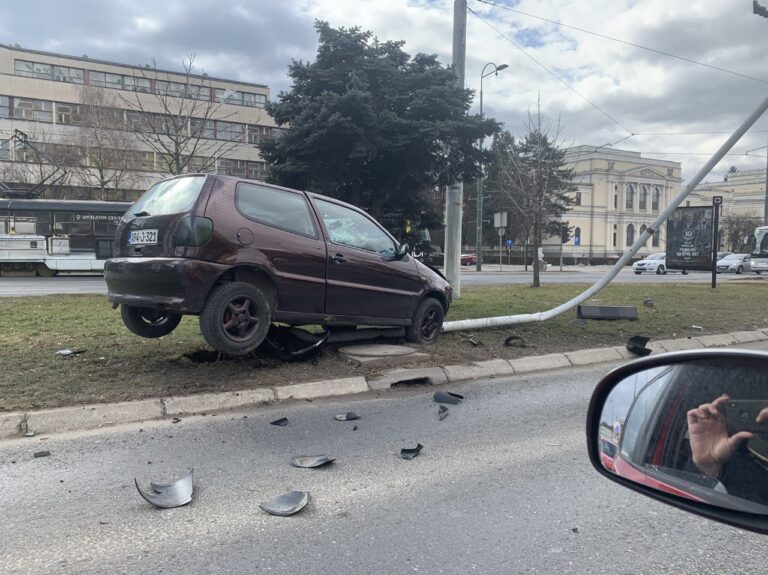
(218, 122)
(743, 193)
(619, 194)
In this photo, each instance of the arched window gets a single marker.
(642, 231)
(630, 235)
(644, 198)
(615, 235)
(656, 239)
(615, 201)
(656, 200)
(630, 204)
(577, 236)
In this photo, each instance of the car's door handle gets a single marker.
(338, 258)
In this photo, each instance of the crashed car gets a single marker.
(241, 254)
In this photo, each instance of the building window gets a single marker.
(577, 200)
(70, 75)
(254, 100)
(630, 235)
(198, 92)
(630, 203)
(203, 128)
(175, 89)
(5, 150)
(656, 198)
(259, 134)
(96, 78)
(230, 131)
(24, 68)
(5, 110)
(644, 198)
(656, 239)
(642, 231)
(257, 171)
(577, 236)
(35, 110)
(135, 84)
(232, 167)
(68, 114)
(615, 201)
(615, 235)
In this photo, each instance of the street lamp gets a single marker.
(479, 227)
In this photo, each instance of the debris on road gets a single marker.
(515, 341)
(282, 422)
(474, 342)
(312, 461)
(648, 302)
(175, 420)
(29, 433)
(294, 344)
(287, 504)
(442, 412)
(409, 454)
(67, 352)
(636, 344)
(42, 453)
(349, 416)
(697, 327)
(447, 397)
(168, 495)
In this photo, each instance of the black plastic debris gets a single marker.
(349, 416)
(42, 453)
(312, 461)
(515, 341)
(472, 341)
(636, 345)
(648, 302)
(294, 344)
(287, 504)
(447, 397)
(175, 420)
(442, 412)
(282, 422)
(29, 434)
(409, 454)
(354, 428)
(67, 352)
(168, 495)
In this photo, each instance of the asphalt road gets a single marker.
(83, 284)
(502, 485)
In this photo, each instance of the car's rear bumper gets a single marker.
(170, 284)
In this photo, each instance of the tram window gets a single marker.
(64, 224)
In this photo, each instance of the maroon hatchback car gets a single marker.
(242, 254)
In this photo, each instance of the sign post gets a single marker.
(717, 202)
(500, 222)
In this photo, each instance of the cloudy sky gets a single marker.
(616, 90)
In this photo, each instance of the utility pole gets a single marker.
(454, 197)
(765, 207)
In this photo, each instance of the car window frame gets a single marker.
(310, 212)
(316, 201)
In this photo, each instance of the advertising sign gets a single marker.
(689, 239)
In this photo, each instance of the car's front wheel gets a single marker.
(661, 270)
(427, 323)
(236, 318)
(149, 323)
(685, 272)
(740, 270)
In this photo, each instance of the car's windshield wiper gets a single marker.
(141, 214)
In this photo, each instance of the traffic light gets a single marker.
(565, 232)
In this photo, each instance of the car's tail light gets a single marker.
(193, 231)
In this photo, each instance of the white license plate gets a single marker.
(142, 237)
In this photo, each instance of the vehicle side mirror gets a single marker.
(402, 251)
(689, 429)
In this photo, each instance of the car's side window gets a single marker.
(350, 228)
(280, 209)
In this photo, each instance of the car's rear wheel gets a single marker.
(149, 323)
(661, 270)
(427, 322)
(740, 270)
(45, 272)
(236, 318)
(685, 272)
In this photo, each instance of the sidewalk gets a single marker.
(77, 418)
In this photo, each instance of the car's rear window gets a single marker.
(173, 196)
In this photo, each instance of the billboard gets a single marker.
(689, 239)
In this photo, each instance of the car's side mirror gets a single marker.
(402, 251)
(689, 429)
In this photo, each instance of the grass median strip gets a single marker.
(119, 366)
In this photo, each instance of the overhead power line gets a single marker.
(558, 78)
(625, 42)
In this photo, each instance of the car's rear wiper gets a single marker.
(141, 214)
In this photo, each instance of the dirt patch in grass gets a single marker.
(119, 366)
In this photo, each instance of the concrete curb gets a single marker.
(84, 417)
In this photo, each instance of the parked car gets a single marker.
(241, 254)
(735, 263)
(468, 259)
(654, 263)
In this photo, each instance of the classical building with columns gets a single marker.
(618, 195)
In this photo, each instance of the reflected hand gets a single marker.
(710, 445)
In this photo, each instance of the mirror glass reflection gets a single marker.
(696, 429)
